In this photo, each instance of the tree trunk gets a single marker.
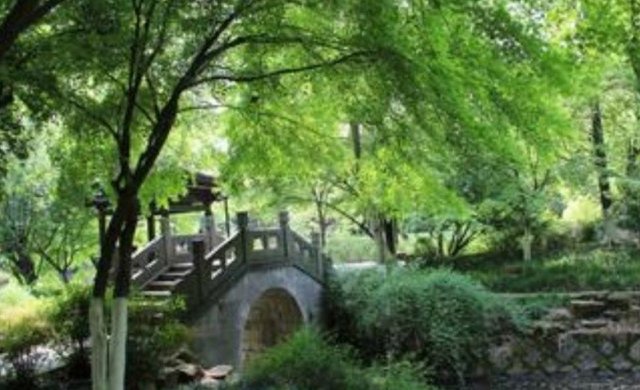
(390, 235)
(117, 352)
(99, 352)
(23, 15)
(118, 344)
(601, 163)
(526, 241)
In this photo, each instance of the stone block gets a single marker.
(634, 351)
(620, 363)
(501, 357)
(587, 359)
(607, 348)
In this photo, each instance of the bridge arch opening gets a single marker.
(272, 319)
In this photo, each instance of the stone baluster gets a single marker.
(202, 270)
(283, 219)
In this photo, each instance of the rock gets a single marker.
(583, 309)
(183, 355)
(501, 357)
(559, 314)
(634, 351)
(219, 372)
(210, 383)
(549, 327)
(189, 372)
(632, 315)
(607, 348)
(619, 363)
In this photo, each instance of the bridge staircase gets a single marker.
(201, 267)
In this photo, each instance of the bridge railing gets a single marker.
(148, 261)
(247, 248)
(164, 251)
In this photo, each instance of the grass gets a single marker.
(598, 269)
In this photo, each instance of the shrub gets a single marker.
(19, 338)
(70, 321)
(309, 361)
(440, 318)
(155, 334)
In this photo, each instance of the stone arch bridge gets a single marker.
(244, 293)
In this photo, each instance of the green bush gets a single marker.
(155, 334)
(308, 361)
(69, 317)
(19, 337)
(443, 319)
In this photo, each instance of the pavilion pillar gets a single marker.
(227, 218)
(151, 227)
(209, 227)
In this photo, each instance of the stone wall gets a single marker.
(596, 332)
(581, 350)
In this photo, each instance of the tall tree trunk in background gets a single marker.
(390, 234)
(356, 139)
(323, 224)
(600, 160)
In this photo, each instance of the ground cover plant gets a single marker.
(597, 269)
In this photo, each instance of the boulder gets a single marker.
(219, 372)
(183, 355)
(190, 371)
(210, 383)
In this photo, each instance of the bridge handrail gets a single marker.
(222, 247)
(141, 256)
(246, 248)
(148, 261)
(308, 256)
(209, 269)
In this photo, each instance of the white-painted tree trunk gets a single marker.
(99, 351)
(117, 355)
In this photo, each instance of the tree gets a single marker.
(466, 80)
(176, 52)
(41, 228)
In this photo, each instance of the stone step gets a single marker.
(156, 293)
(162, 284)
(586, 309)
(173, 275)
(180, 267)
